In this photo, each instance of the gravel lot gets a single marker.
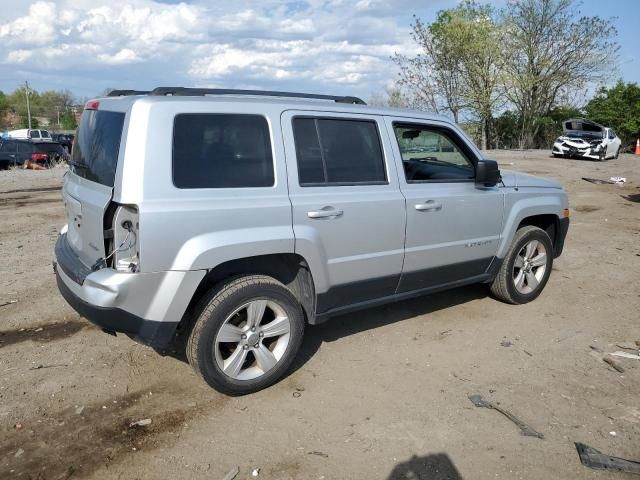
(377, 394)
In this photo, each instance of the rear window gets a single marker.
(95, 152)
(221, 151)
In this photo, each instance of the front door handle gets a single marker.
(429, 206)
(325, 212)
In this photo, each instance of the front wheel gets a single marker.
(247, 335)
(526, 267)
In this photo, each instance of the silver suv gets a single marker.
(231, 219)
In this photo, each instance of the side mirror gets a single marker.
(487, 173)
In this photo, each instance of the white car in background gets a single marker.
(586, 139)
(34, 135)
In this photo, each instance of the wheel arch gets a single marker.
(537, 207)
(290, 269)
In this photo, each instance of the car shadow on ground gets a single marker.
(436, 466)
(372, 318)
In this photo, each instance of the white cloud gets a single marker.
(315, 44)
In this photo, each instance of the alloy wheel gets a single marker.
(252, 340)
(529, 267)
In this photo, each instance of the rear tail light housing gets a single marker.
(125, 246)
(39, 157)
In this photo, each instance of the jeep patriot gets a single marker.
(230, 219)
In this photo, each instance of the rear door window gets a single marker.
(95, 152)
(332, 151)
(34, 134)
(221, 151)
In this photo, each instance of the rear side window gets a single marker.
(334, 151)
(95, 152)
(34, 133)
(221, 151)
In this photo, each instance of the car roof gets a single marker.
(123, 103)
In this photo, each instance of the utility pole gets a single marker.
(26, 85)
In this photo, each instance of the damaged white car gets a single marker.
(586, 139)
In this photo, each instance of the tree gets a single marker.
(619, 108)
(459, 66)
(551, 49)
(4, 108)
(472, 34)
(433, 76)
(392, 97)
(68, 120)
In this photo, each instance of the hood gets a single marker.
(518, 179)
(582, 127)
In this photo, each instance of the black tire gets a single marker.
(617, 153)
(216, 307)
(504, 286)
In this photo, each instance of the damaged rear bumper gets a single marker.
(144, 306)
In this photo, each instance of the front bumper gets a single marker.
(594, 153)
(144, 306)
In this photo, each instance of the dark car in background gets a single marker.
(64, 139)
(16, 152)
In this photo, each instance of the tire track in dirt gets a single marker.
(77, 441)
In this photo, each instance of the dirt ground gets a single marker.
(378, 394)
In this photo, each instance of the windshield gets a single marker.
(95, 152)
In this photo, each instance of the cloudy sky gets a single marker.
(325, 46)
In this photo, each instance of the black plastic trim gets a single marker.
(378, 291)
(183, 91)
(155, 334)
(561, 235)
(126, 93)
(356, 292)
(323, 317)
(69, 262)
(432, 277)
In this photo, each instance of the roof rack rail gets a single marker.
(183, 91)
(124, 93)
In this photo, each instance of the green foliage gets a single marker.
(507, 127)
(68, 120)
(24, 122)
(4, 108)
(529, 58)
(46, 104)
(619, 108)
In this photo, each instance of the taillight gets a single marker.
(125, 239)
(92, 105)
(39, 157)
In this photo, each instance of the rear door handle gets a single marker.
(429, 206)
(325, 212)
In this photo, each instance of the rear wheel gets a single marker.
(617, 153)
(247, 335)
(526, 267)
